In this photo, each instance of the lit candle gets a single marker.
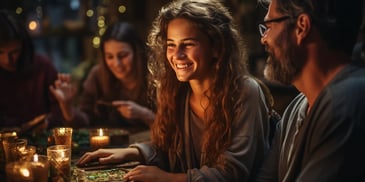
(100, 140)
(60, 164)
(19, 171)
(63, 136)
(40, 167)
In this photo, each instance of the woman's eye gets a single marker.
(170, 45)
(188, 45)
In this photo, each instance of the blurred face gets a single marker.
(284, 62)
(119, 59)
(189, 51)
(9, 54)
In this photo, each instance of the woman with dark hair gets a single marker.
(115, 91)
(25, 78)
(212, 120)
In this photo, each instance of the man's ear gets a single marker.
(303, 27)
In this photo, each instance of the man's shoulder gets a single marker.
(348, 82)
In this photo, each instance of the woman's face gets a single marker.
(118, 57)
(9, 54)
(189, 51)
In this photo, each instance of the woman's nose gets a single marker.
(180, 54)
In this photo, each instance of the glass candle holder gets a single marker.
(19, 171)
(40, 167)
(5, 136)
(12, 148)
(62, 136)
(59, 157)
(99, 138)
(24, 153)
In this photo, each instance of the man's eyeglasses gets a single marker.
(263, 27)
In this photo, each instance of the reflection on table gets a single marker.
(118, 137)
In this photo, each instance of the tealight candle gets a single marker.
(59, 157)
(19, 171)
(99, 139)
(40, 166)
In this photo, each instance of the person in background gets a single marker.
(26, 102)
(212, 120)
(115, 91)
(322, 131)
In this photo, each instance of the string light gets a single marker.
(122, 9)
(89, 13)
(32, 25)
(18, 10)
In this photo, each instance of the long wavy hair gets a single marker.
(215, 21)
(126, 33)
(13, 29)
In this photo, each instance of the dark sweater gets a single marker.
(25, 95)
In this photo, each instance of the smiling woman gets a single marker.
(212, 120)
(189, 51)
(115, 91)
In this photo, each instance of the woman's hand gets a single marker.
(108, 156)
(62, 89)
(132, 110)
(153, 174)
(64, 93)
(129, 109)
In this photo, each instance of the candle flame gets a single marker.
(35, 158)
(62, 154)
(101, 132)
(62, 131)
(25, 172)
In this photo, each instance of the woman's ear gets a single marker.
(303, 27)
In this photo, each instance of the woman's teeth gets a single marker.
(182, 66)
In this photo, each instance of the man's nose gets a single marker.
(263, 39)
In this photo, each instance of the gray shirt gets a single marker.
(328, 143)
(243, 156)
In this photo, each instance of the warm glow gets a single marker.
(102, 31)
(18, 10)
(32, 25)
(89, 13)
(122, 9)
(101, 132)
(101, 23)
(62, 131)
(25, 172)
(62, 154)
(35, 157)
(96, 42)
(101, 18)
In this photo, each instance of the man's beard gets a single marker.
(286, 68)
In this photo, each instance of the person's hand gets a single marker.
(129, 109)
(148, 173)
(108, 156)
(63, 90)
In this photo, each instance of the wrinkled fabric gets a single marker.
(327, 144)
(243, 157)
(26, 95)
